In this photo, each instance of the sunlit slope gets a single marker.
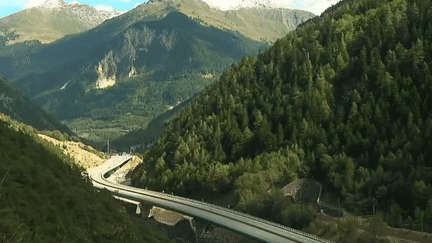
(46, 24)
(344, 99)
(261, 24)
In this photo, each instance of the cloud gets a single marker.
(103, 8)
(74, 2)
(320, 6)
(33, 3)
(126, 1)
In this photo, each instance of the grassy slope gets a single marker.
(44, 199)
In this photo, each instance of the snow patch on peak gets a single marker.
(108, 11)
(75, 3)
(103, 8)
(314, 6)
(53, 4)
(237, 4)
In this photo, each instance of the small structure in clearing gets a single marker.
(303, 190)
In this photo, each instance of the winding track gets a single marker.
(255, 227)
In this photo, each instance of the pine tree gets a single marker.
(420, 194)
(344, 49)
(341, 63)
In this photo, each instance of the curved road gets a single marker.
(255, 227)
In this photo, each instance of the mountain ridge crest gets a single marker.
(54, 4)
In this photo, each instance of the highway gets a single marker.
(255, 227)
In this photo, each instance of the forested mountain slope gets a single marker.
(20, 108)
(44, 199)
(345, 99)
(119, 76)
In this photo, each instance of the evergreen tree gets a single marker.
(347, 93)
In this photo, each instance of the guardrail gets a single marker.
(250, 217)
(205, 204)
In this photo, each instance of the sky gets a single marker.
(8, 7)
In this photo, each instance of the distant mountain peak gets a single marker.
(109, 13)
(154, 1)
(316, 7)
(54, 4)
(53, 20)
(246, 4)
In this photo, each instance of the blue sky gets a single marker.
(8, 7)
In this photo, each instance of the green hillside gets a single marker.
(44, 199)
(22, 109)
(345, 100)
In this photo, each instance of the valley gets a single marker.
(313, 128)
(151, 58)
(72, 90)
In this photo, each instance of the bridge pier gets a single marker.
(138, 204)
(191, 222)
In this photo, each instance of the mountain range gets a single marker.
(51, 21)
(255, 21)
(115, 78)
(55, 19)
(315, 7)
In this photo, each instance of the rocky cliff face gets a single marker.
(51, 21)
(131, 58)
